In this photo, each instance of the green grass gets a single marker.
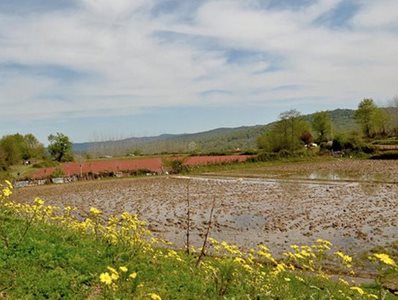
(52, 262)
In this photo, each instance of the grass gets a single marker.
(55, 263)
(47, 253)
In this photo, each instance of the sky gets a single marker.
(101, 69)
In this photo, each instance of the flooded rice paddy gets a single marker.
(354, 214)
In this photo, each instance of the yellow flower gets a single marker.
(94, 211)
(346, 259)
(324, 243)
(344, 281)
(385, 259)
(358, 289)
(115, 276)
(154, 296)
(123, 269)
(106, 278)
(9, 184)
(7, 192)
(133, 275)
(38, 202)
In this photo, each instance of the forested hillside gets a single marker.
(213, 141)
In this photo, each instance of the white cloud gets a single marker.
(377, 15)
(128, 68)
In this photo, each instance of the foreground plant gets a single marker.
(132, 264)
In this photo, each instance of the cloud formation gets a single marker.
(97, 57)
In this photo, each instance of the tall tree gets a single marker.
(394, 116)
(322, 124)
(32, 147)
(286, 134)
(12, 147)
(60, 147)
(381, 121)
(364, 116)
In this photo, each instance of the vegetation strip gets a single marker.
(47, 252)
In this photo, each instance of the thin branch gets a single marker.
(202, 252)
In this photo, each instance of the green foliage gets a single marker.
(60, 147)
(178, 166)
(364, 116)
(49, 253)
(350, 142)
(381, 120)
(58, 172)
(221, 140)
(287, 134)
(16, 148)
(322, 125)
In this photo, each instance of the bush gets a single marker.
(178, 166)
(350, 143)
(58, 172)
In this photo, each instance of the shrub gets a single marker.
(178, 166)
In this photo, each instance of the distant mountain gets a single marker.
(216, 140)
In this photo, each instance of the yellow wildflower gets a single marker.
(7, 192)
(154, 296)
(385, 259)
(344, 281)
(324, 243)
(133, 275)
(38, 202)
(346, 259)
(94, 211)
(239, 260)
(114, 273)
(9, 184)
(123, 269)
(106, 278)
(112, 269)
(358, 289)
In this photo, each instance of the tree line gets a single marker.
(17, 149)
(292, 131)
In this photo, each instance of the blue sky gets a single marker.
(100, 69)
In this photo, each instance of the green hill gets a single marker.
(213, 141)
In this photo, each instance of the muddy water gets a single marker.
(353, 215)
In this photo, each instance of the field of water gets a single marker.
(354, 207)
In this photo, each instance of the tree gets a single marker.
(32, 148)
(364, 116)
(60, 147)
(322, 124)
(394, 116)
(380, 122)
(15, 148)
(12, 147)
(286, 134)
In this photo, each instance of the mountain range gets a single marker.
(218, 140)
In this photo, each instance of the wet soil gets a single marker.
(354, 215)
